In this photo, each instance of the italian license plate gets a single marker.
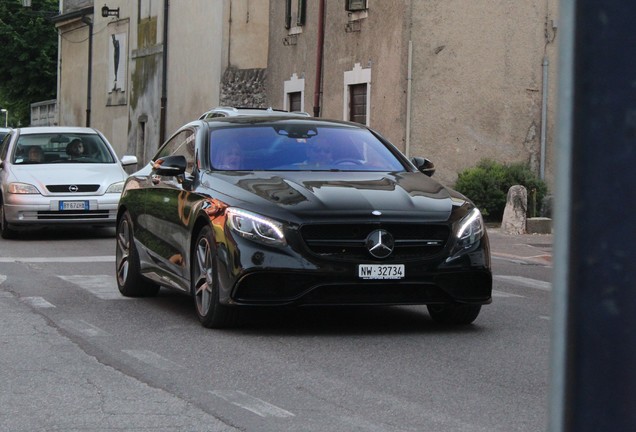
(381, 271)
(73, 205)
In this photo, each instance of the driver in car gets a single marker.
(319, 153)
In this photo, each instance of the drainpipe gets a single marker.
(164, 78)
(86, 20)
(544, 116)
(409, 79)
(321, 42)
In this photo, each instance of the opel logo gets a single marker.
(380, 243)
(73, 188)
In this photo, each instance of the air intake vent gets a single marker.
(73, 188)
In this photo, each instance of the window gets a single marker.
(300, 12)
(358, 103)
(357, 95)
(356, 5)
(288, 14)
(294, 89)
(295, 101)
(180, 144)
(4, 147)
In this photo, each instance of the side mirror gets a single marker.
(424, 165)
(128, 160)
(170, 165)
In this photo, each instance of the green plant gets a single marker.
(487, 186)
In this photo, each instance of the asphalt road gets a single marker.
(76, 356)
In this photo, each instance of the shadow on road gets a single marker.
(64, 233)
(310, 321)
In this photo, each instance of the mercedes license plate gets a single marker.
(73, 205)
(381, 271)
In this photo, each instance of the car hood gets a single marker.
(59, 174)
(348, 194)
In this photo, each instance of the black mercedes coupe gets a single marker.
(284, 211)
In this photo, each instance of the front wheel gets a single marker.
(205, 285)
(5, 230)
(454, 313)
(129, 279)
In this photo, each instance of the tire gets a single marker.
(454, 313)
(5, 230)
(129, 279)
(205, 284)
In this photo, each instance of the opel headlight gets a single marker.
(116, 187)
(22, 188)
(255, 227)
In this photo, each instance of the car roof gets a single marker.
(227, 111)
(55, 129)
(273, 119)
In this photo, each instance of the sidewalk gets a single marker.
(524, 248)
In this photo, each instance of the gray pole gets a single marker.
(593, 385)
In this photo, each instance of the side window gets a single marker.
(180, 144)
(4, 146)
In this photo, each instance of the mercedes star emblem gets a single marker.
(380, 243)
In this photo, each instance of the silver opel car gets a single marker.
(58, 175)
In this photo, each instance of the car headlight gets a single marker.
(468, 233)
(470, 230)
(22, 188)
(116, 187)
(255, 227)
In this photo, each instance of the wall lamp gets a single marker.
(106, 12)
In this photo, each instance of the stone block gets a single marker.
(539, 225)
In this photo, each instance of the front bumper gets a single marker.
(285, 277)
(40, 210)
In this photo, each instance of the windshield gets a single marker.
(299, 147)
(61, 148)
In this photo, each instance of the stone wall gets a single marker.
(244, 88)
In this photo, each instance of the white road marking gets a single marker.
(102, 286)
(512, 260)
(37, 302)
(153, 359)
(83, 259)
(2, 278)
(543, 317)
(252, 404)
(496, 293)
(84, 327)
(526, 282)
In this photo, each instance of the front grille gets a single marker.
(347, 241)
(67, 188)
(73, 214)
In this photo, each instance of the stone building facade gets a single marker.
(450, 80)
(155, 64)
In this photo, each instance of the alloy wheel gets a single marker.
(204, 277)
(122, 255)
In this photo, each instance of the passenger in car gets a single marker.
(75, 148)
